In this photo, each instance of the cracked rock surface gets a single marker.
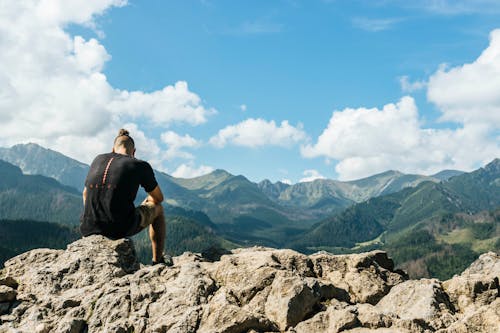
(97, 285)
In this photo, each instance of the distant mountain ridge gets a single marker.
(36, 197)
(433, 226)
(321, 193)
(34, 159)
(263, 213)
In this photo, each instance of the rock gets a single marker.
(478, 285)
(484, 319)
(7, 294)
(291, 299)
(370, 317)
(97, 285)
(367, 277)
(422, 300)
(336, 318)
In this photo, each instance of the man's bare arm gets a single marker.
(84, 194)
(155, 195)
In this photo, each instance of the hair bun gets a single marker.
(123, 132)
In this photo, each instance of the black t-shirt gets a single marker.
(112, 184)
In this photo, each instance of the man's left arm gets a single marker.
(155, 196)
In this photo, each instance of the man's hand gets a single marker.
(84, 195)
(155, 196)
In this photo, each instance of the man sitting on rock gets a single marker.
(110, 190)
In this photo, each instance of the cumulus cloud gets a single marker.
(259, 132)
(176, 142)
(243, 107)
(191, 171)
(53, 90)
(286, 181)
(470, 93)
(311, 175)
(368, 141)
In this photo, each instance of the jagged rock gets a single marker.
(484, 319)
(419, 300)
(97, 285)
(367, 277)
(337, 317)
(291, 299)
(370, 317)
(478, 285)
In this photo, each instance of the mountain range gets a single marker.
(233, 202)
(432, 225)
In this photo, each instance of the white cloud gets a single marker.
(243, 107)
(53, 90)
(470, 93)
(190, 171)
(361, 130)
(311, 175)
(368, 141)
(163, 107)
(286, 181)
(258, 132)
(375, 25)
(175, 144)
(408, 87)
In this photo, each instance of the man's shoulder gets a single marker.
(101, 157)
(138, 163)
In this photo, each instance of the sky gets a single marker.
(285, 90)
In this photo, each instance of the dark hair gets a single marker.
(124, 139)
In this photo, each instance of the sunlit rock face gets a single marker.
(97, 285)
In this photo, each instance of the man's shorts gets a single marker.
(144, 216)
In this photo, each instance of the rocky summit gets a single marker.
(97, 285)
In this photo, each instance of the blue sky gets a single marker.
(285, 90)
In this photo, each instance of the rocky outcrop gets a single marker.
(97, 285)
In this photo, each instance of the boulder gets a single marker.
(419, 301)
(482, 319)
(367, 277)
(478, 285)
(337, 317)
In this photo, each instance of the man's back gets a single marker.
(112, 184)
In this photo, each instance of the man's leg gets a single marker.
(152, 216)
(157, 234)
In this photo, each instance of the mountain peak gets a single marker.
(493, 165)
(220, 172)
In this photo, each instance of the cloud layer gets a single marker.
(53, 90)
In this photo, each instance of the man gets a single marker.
(109, 193)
